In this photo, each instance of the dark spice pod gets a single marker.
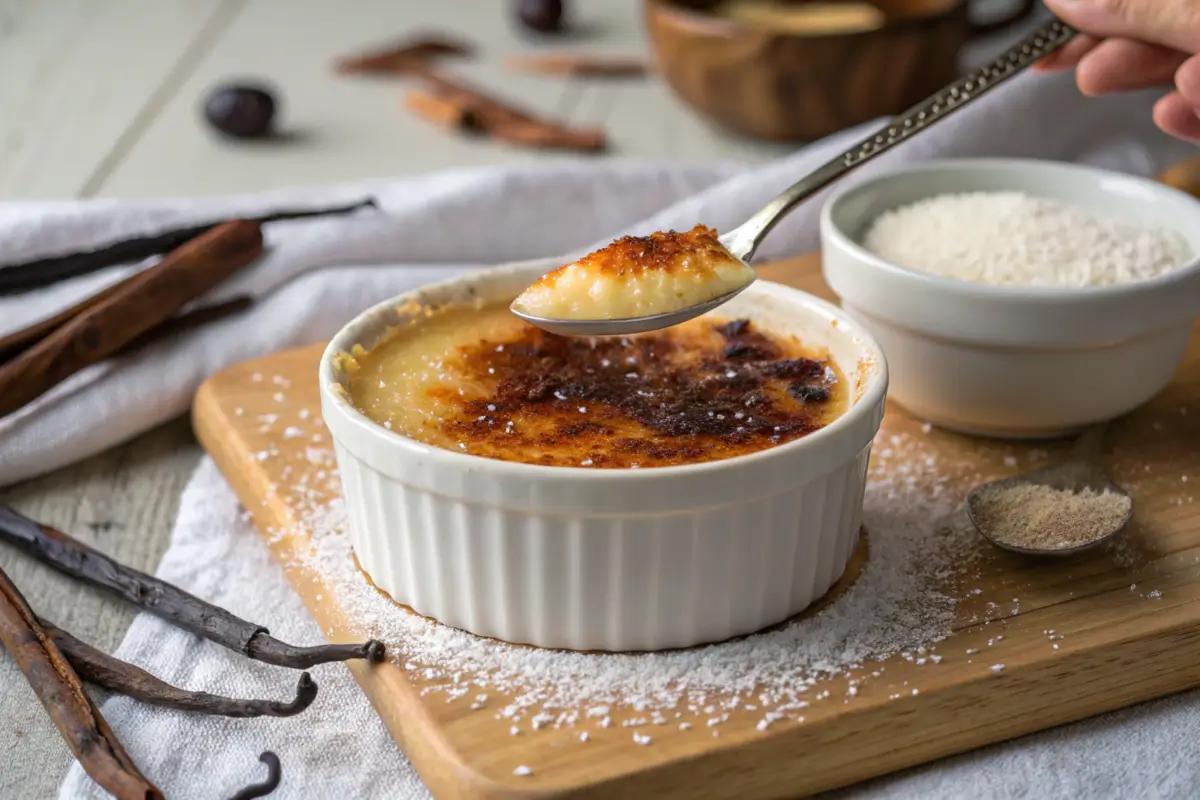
(29, 275)
(241, 111)
(71, 557)
(99, 668)
(274, 775)
(542, 16)
(73, 712)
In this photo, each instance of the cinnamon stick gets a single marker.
(189, 320)
(403, 57)
(451, 102)
(549, 136)
(186, 611)
(17, 341)
(443, 111)
(59, 688)
(99, 668)
(491, 110)
(142, 302)
(579, 65)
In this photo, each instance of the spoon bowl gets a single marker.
(627, 326)
(1080, 472)
(743, 241)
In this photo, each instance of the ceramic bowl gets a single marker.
(1016, 362)
(590, 559)
(783, 85)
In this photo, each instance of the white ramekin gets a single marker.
(1016, 362)
(608, 559)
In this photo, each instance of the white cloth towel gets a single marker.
(320, 272)
(339, 748)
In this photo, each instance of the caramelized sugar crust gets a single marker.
(671, 253)
(697, 392)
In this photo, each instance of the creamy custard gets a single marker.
(639, 276)
(483, 382)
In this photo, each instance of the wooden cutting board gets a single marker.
(1128, 633)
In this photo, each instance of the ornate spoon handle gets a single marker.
(743, 241)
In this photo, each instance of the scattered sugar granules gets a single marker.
(1016, 239)
(917, 542)
(1044, 518)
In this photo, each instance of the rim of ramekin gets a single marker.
(869, 401)
(961, 288)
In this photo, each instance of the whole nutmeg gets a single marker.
(543, 16)
(241, 111)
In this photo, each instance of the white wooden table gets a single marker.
(101, 98)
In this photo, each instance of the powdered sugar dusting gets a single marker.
(918, 543)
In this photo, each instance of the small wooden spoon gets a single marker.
(1079, 472)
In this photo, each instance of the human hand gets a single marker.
(1125, 45)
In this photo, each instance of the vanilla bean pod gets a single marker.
(57, 685)
(274, 775)
(72, 557)
(99, 668)
(29, 275)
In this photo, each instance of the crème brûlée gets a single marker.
(639, 276)
(481, 381)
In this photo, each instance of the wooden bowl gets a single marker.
(769, 83)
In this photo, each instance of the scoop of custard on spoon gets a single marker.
(640, 284)
(633, 283)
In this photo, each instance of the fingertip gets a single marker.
(1069, 55)
(1166, 108)
(1064, 10)
(1187, 80)
(1175, 116)
(1120, 65)
(1087, 82)
(1093, 75)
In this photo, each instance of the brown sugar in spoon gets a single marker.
(1057, 511)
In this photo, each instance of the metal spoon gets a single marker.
(744, 240)
(1080, 471)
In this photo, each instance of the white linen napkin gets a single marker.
(339, 748)
(431, 226)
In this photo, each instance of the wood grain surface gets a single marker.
(82, 79)
(101, 97)
(1129, 622)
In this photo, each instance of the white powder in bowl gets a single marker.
(1012, 238)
